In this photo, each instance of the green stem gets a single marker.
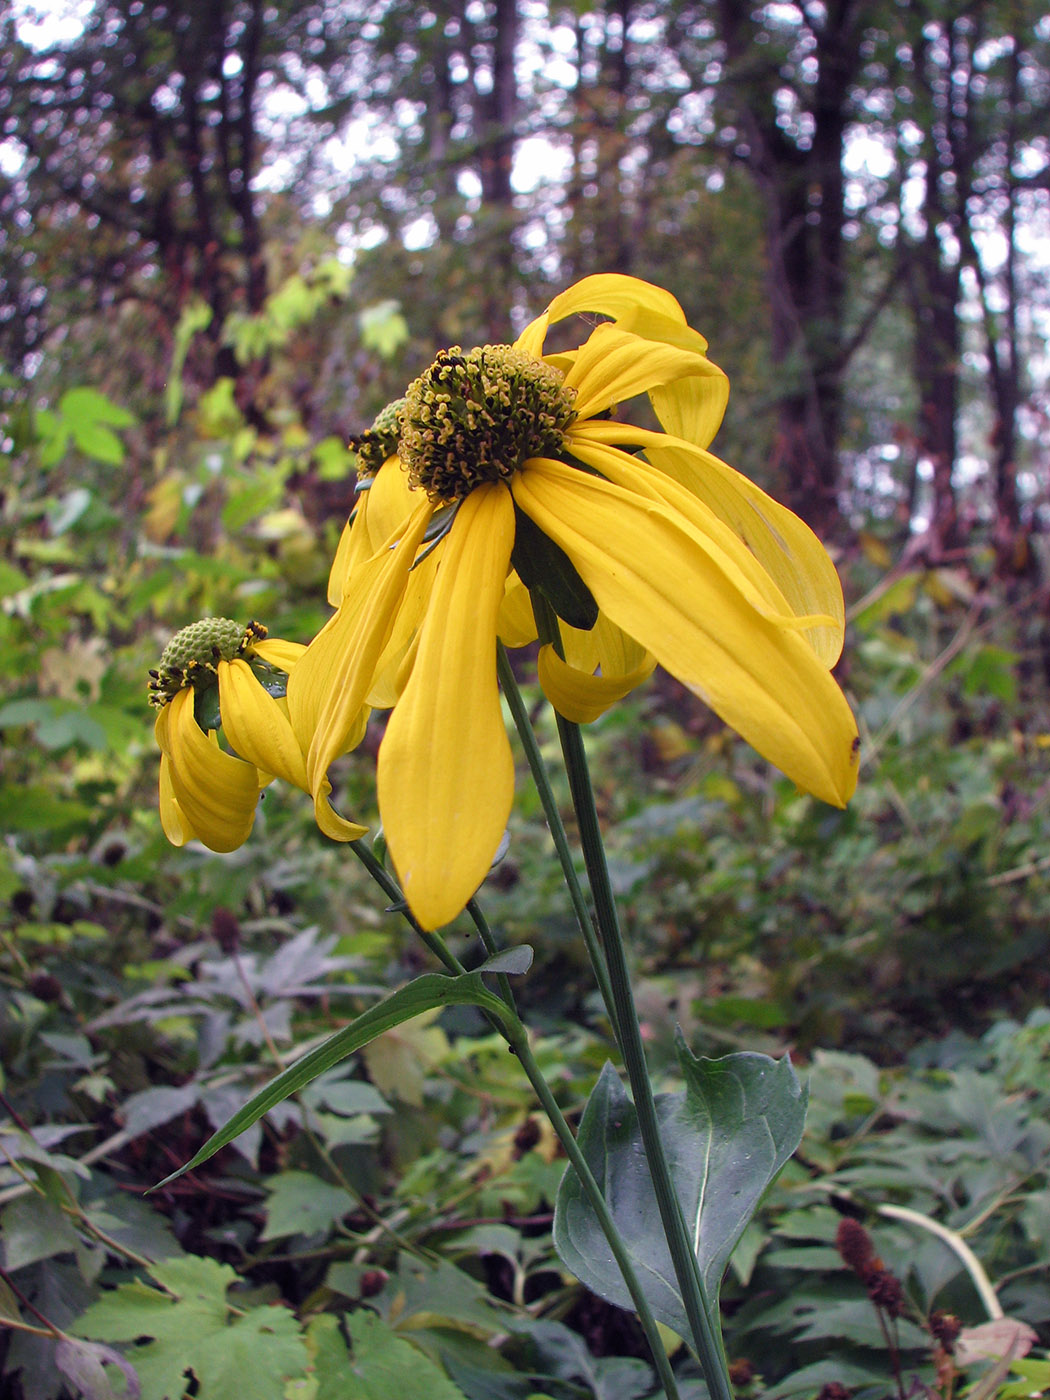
(556, 826)
(701, 1315)
(517, 1038)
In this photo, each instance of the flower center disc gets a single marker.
(192, 655)
(479, 417)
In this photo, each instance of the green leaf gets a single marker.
(33, 1228)
(515, 961)
(726, 1137)
(196, 317)
(543, 565)
(836, 1371)
(382, 1363)
(423, 994)
(79, 406)
(383, 328)
(89, 416)
(249, 502)
(302, 1204)
(195, 1333)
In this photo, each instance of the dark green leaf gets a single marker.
(431, 990)
(543, 565)
(726, 1137)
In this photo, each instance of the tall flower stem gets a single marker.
(702, 1319)
(541, 778)
(517, 1038)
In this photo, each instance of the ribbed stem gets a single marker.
(514, 1032)
(556, 826)
(702, 1318)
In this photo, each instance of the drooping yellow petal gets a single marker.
(256, 726)
(344, 553)
(445, 775)
(176, 827)
(787, 549)
(613, 365)
(278, 652)
(580, 696)
(571, 685)
(327, 687)
(391, 502)
(619, 654)
(389, 677)
(327, 690)
(649, 573)
(614, 294)
(580, 646)
(516, 623)
(383, 506)
(716, 538)
(217, 794)
(335, 827)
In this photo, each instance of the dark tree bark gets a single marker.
(799, 175)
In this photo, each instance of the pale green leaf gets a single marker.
(381, 1364)
(300, 1203)
(195, 1335)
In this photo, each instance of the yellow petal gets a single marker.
(787, 549)
(176, 828)
(613, 366)
(650, 574)
(335, 827)
(619, 654)
(715, 537)
(692, 408)
(617, 295)
(256, 726)
(217, 794)
(580, 646)
(516, 624)
(343, 555)
(580, 696)
(279, 653)
(391, 502)
(389, 681)
(327, 688)
(445, 775)
(626, 300)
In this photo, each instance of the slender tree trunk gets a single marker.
(802, 189)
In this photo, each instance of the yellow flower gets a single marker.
(206, 793)
(510, 471)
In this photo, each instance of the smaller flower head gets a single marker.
(216, 674)
(378, 442)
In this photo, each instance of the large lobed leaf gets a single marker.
(726, 1137)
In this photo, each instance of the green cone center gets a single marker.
(378, 442)
(193, 654)
(478, 417)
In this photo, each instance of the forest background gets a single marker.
(229, 235)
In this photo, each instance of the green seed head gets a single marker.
(378, 442)
(477, 417)
(192, 655)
